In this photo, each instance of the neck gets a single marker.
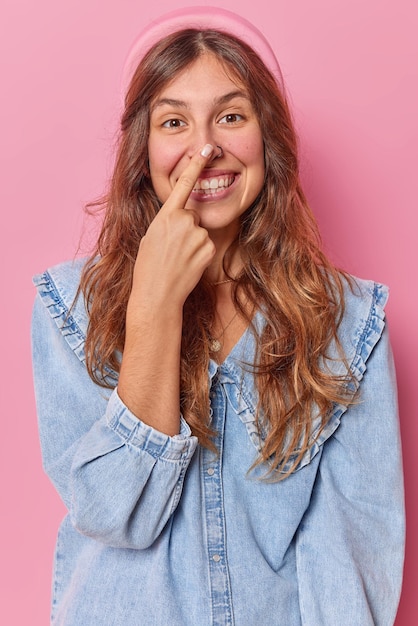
(225, 265)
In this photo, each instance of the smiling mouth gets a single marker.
(210, 186)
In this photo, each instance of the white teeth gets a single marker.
(210, 185)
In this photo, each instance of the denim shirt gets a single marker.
(162, 532)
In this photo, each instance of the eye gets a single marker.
(173, 123)
(231, 118)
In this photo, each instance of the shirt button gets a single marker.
(213, 394)
(211, 471)
(216, 558)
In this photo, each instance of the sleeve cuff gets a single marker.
(135, 433)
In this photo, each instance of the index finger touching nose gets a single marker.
(187, 180)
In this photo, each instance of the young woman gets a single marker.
(217, 403)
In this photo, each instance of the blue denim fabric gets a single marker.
(161, 532)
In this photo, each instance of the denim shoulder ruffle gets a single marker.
(363, 323)
(359, 332)
(57, 288)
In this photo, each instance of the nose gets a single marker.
(217, 153)
(220, 153)
(201, 137)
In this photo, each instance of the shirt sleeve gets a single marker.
(120, 479)
(350, 544)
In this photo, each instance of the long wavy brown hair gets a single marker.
(285, 273)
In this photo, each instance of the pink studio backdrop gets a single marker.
(351, 69)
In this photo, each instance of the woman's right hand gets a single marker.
(176, 250)
(171, 259)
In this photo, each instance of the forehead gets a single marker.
(206, 77)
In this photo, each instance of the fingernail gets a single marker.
(207, 150)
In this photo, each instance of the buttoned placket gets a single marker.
(211, 468)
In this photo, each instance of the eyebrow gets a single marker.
(217, 101)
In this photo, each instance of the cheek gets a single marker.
(160, 161)
(256, 151)
(250, 150)
(163, 158)
(161, 165)
(253, 156)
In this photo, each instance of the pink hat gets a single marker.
(201, 18)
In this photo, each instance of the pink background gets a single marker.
(351, 68)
